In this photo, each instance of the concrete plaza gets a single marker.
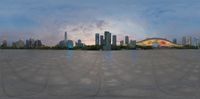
(60, 74)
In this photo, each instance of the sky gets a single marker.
(139, 19)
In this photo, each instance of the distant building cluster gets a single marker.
(69, 44)
(189, 41)
(4, 44)
(30, 43)
(79, 44)
(107, 41)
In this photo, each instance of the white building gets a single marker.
(20, 44)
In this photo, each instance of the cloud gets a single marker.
(49, 19)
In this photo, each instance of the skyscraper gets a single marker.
(188, 40)
(126, 40)
(114, 40)
(107, 45)
(65, 36)
(184, 40)
(97, 39)
(65, 40)
(101, 40)
(38, 44)
(195, 42)
(30, 43)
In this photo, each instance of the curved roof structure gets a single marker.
(157, 42)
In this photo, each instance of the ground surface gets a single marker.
(149, 74)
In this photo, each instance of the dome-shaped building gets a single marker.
(157, 42)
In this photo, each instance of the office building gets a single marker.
(65, 36)
(114, 40)
(70, 44)
(101, 40)
(174, 41)
(4, 44)
(189, 40)
(62, 44)
(132, 44)
(121, 43)
(107, 43)
(195, 42)
(97, 39)
(30, 43)
(18, 44)
(79, 44)
(184, 40)
(126, 40)
(38, 44)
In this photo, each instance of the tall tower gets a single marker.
(126, 40)
(114, 40)
(107, 45)
(97, 39)
(184, 40)
(189, 40)
(101, 40)
(65, 36)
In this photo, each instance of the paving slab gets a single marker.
(134, 74)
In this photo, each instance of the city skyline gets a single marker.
(107, 41)
(48, 19)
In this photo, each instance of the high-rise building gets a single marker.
(107, 45)
(65, 40)
(70, 44)
(30, 43)
(19, 44)
(121, 43)
(175, 41)
(184, 40)
(38, 44)
(79, 44)
(132, 44)
(79, 41)
(65, 36)
(4, 44)
(97, 39)
(62, 44)
(101, 40)
(189, 40)
(126, 40)
(114, 40)
(195, 42)
(199, 42)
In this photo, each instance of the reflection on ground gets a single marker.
(153, 74)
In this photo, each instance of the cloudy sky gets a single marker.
(49, 19)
